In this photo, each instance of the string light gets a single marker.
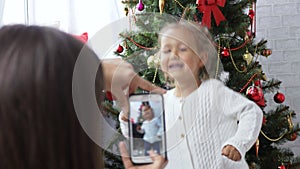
(218, 62)
(291, 126)
(179, 4)
(247, 84)
(236, 68)
(137, 44)
(273, 140)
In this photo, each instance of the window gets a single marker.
(73, 16)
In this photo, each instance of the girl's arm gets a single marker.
(160, 128)
(123, 124)
(249, 117)
(140, 129)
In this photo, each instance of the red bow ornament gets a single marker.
(211, 6)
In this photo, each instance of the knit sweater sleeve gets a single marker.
(248, 115)
(123, 125)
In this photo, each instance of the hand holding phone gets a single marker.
(146, 127)
(159, 162)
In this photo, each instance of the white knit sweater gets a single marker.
(201, 124)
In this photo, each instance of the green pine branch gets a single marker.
(271, 85)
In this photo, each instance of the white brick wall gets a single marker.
(278, 21)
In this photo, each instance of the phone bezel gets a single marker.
(141, 98)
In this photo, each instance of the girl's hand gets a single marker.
(231, 152)
(158, 161)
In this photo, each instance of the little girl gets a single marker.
(151, 128)
(208, 125)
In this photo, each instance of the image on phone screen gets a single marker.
(146, 127)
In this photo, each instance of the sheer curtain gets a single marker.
(1, 11)
(73, 16)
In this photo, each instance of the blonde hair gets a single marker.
(201, 42)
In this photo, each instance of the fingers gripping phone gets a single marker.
(146, 127)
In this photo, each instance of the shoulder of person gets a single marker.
(155, 119)
(217, 88)
(214, 83)
(169, 93)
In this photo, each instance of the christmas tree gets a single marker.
(232, 25)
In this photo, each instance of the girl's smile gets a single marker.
(173, 66)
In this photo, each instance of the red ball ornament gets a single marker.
(292, 137)
(257, 83)
(243, 67)
(261, 103)
(249, 33)
(266, 52)
(225, 52)
(251, 14)
(281, 167)
(140, 6)
(279, 97)
(254, 93)
(120, 49)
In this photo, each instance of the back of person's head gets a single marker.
(39, 127)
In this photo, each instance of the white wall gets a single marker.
(278, 21)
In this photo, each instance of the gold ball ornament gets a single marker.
(264, 77)
(248, 35)
(161, 6)
(153, 61)
(248, 57)
(125, 45)
(253, 165)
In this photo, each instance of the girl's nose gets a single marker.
(174, 54)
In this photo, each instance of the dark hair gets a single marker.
(39, 126)
(145, 103)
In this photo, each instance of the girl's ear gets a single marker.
(203, 58)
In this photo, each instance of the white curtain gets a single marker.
(2, 2)
(92, 15)
(73, 16)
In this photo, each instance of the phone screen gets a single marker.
(146, 127)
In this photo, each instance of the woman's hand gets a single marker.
(159, 162)
(121, 80)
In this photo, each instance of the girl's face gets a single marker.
(147, 113)
(177, 58)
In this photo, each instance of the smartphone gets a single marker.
(146, 127)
